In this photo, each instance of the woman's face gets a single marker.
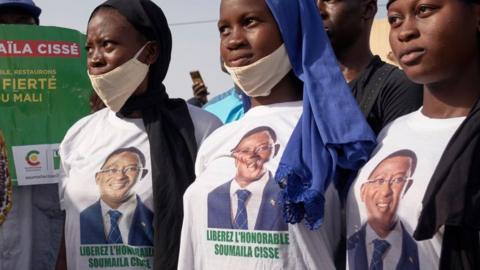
(248, 32)
(111, 41)
(433, 40)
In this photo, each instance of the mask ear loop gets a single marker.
(140, 51)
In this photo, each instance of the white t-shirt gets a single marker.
(385, 200)
(218, 234)
(94, 238)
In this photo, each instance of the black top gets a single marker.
(397, 97)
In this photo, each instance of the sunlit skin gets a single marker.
(16, 16)
(116, 188)
(382, 200)
(251, 154)
(436, 42)
(348, 24)
(248, 32)
(112, 40)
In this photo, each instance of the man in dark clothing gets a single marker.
(383, 92)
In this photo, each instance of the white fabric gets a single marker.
(83, 152)
(202, 244)
(427, 138)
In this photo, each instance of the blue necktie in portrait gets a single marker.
(379, 248)
(114, 236)
(241, 219)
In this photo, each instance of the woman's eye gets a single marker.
(251, 21)
(393, 20)
(424, 11)
(223, 30)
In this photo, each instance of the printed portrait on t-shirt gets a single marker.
(382, 241)
(118, 216)
(250, 200)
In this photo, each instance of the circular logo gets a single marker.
(32, 158)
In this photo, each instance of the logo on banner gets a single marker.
(41, 163)
(32, 158)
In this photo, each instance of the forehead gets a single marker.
(256, 138)
(122, 158)
(235, 7)
(352, 3)
(109, 21)
(393, 4)
(393, 165)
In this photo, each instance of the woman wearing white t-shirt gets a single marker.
(126, 166)
(303, 120)
(415, 204)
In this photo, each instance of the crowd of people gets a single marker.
(321, 156)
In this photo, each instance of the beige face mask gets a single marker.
(258, 79)
(117, 85)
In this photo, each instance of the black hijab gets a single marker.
(170, 132)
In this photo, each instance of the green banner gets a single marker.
(44, 90)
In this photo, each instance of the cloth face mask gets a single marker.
(258, 79)
(116, 86)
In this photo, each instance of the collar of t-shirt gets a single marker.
(127, 209)
(253, 202)
(420, 122)
(133, 124)
(394, 238)
(263, 110)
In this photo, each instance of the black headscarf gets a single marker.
(170, 132)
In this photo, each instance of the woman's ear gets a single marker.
(152, 51)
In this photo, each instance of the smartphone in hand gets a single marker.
(196, 77)
(199, 88)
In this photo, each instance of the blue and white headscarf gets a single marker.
(332, 132)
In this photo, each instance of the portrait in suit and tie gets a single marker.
(249, 201)
(119, 216)
(383, 242)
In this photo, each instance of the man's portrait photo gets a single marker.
(382, 242)
(249, 201)
(119, 216)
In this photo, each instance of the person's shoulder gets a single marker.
(199, 114)
(220, 97)
(142, 207)
(356, 238)
(397, 124)
(91, 209)
(222, 133)
(83, 123)
(204, 122)
(81, 130)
